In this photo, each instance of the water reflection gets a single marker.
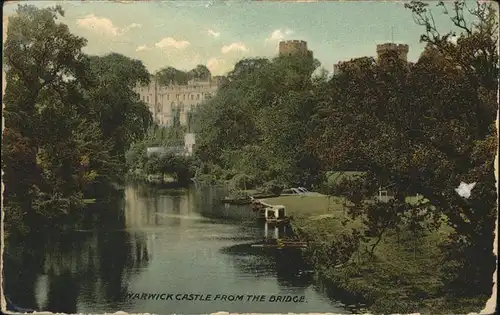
(292, 272)
(156, 241)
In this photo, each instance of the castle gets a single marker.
(401, 50)
(294, 48)
(177, 102)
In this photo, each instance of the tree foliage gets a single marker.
(169, 75)
(418, 128)
(68, 118)
(424, 128)
(156, 136)
(257, 124)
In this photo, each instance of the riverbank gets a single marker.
(402, 277)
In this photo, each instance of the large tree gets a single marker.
(258, 122)
(123, 117)
(68, 118)
(42, 60)
(169, 75)
(424, 128)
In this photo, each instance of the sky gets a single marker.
(183, 34)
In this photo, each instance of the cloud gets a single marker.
(213, 33)
(142, 48)
(103, 25)
(218, 66)
(131, 26)
(234, 47)
(212, 63)
(170, 42)
(279, 34)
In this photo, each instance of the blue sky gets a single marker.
(183, 34)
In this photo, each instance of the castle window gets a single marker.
(192, 97)
(198, 96)
(147, 98)
(184, 96)
(168, 97)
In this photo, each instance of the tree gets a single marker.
(423, 128)
(199, 72)
(41, 58)
(258, 121)
(475, 54)
(123, 116)
(69, 118)
(169, 75)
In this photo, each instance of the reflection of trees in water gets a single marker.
(291, 269)
(348, 300)
(95, 266)
(287, 265)
(207, 200)
(146, 206)
(21, 265)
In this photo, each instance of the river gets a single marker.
(162, 241)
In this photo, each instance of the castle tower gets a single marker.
(400, 49)
(294, 48)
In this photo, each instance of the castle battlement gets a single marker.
(293, 41)
(391, 46)
(293, 48)
(400, 49)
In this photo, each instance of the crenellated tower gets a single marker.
(400, 49)
(294, 48)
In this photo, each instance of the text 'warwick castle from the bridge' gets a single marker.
(179, 101)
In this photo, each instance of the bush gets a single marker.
(273, 187)
(243, 181)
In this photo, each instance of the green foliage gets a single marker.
(257, 124)
(155, 137)
(272, 186)
(169, 75)
(243, 181)
(181, 167)
(423, 128)
(418, 128)
(68, 119)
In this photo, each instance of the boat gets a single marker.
(273, 214)
(277, 221)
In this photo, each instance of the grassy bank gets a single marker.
(403, 275)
